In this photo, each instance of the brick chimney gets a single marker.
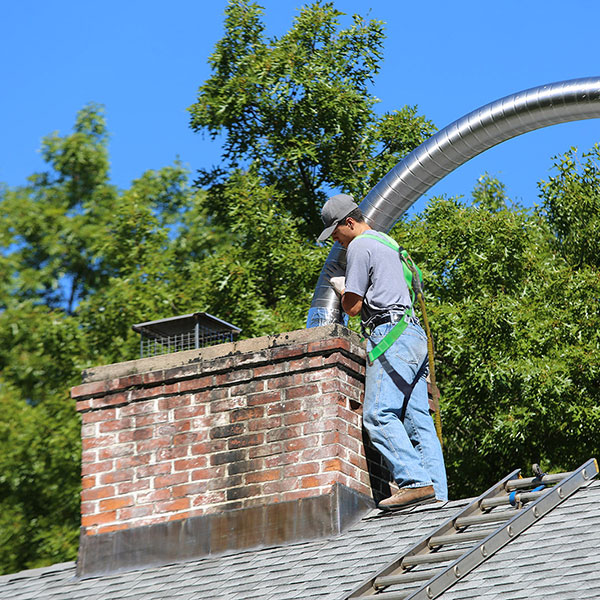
(246, 444)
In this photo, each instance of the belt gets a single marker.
(383, 318)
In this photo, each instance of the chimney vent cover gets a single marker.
(185, 332)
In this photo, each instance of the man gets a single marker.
(396, 411)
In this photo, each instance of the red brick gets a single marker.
(245, 414)
(133, 461)
(209, 447)
(335, 464)
(298, 417)
(227, 430)
(154, 377)
(97, 467)
(281, 486)
(151, 419)
(97, 442)
(133, 486)
(153, 496)
(111, 400)
(165, 481)
(135, 435)
(190, 463)
(170, 453)
(173, 505)
(319, 452)
(270, 370)
(98, 519)
(262, 476)
(264, 424)
(301, 443)
(114, 503)
(196, 384)
(94, 416)
(121, 383)
(265, 450)
(302, 391)
(97, 493)
(301, 469)
(137, 408)
(264, 398)
(88, 482)
(152, 444)
(244, 441)
(248, 387)
(189, 412)
(117, 476)
(320, 425)
(169, 389)
(283, 433)
(189, 489)
(135, 512)
(283, 458)
(89, 456)
(208, 473)
(313, 481)
(233, 377)
(216, 497)
(185, 439)
(288, 351)
(321, 375)
(283, 407)
(328, 344)
(226, 404)
(115, 425)
(175, 402)
(284, 382)
(95, 388)
(82, 405)
(116, 451)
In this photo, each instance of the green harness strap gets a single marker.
(401, 325)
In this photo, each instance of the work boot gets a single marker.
(408, 497)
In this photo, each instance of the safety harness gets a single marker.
(414, 279)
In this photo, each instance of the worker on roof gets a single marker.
(395, 412)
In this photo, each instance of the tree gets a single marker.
(516, 328)
(81, 262)
(298, 110)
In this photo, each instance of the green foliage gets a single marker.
(512, 294)
(571, 201)
(516, 330)
(298, 109)
(39, 481)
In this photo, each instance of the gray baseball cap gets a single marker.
(333, 211)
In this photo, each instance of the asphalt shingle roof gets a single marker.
(557, 557)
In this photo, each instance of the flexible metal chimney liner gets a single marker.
(450, 148)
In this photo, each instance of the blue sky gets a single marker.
(144, 60)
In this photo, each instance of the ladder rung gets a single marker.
(434, 557)
(517, 484)
(504, 500)
(407, 577)
(458, 537)
(491, 517)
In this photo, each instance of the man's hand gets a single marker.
(338, 284)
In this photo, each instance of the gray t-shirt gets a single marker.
(374, 271)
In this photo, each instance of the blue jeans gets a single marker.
(411, 448)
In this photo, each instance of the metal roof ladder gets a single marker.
(478, 531)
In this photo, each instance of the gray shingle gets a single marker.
(553, 559)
